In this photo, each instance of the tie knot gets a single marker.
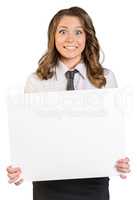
(70, 74)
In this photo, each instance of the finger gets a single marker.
(19, 182)
(122, 161)
(8, 167)
(13, 170)
(123, 176)
(13, 180)
(124, 165)
(125, 160)
(11, 176)
(120, 169)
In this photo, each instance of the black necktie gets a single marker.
(70, 79)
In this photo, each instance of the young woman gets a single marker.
(71, 62)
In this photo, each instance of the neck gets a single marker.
(71, 63)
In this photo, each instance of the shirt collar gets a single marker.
(62, 68)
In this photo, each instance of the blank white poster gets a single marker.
(66, 134)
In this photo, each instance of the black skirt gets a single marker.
(72, 189)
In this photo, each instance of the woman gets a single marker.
(71, 62)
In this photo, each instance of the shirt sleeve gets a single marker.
(31, 86)
(111, 81)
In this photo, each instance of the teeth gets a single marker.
(70, 47)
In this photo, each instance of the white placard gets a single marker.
(66, 134)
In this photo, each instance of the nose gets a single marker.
(70, 37)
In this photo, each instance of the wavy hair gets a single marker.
(90, 54)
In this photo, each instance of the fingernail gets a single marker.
(127, 159)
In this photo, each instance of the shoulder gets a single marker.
(35, 85)
(33, 78)
(32, 84)
(111, 81)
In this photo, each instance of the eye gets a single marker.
(78, 32)
(62, 31)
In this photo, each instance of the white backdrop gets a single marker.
(23, 39)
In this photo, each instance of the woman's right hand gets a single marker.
(14, 174)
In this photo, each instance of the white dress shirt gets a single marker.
(59, 82)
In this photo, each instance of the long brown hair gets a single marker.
(90, 54)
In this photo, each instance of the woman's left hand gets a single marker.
(123, 166)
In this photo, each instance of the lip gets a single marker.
(70, 47)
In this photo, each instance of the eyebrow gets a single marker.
(68, 27)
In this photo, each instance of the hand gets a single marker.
(14, 174)
(123, 166)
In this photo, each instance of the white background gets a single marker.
(23, 40)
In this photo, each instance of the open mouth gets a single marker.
(70, 47)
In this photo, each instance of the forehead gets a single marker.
(70, 21)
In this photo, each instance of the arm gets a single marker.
(122, 165)
(14, 173)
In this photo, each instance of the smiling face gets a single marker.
(70, 40)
